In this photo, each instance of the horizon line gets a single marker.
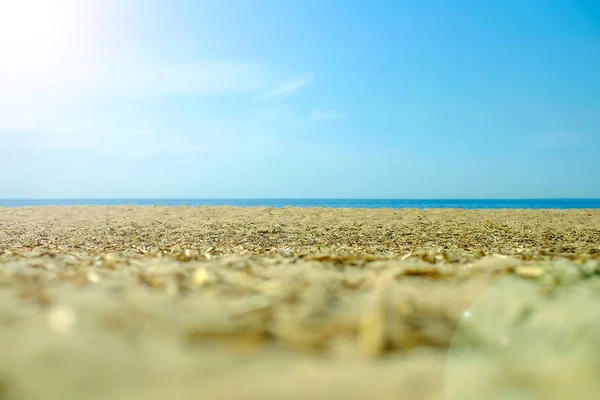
(303, 198)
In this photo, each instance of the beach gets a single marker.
(291, 303)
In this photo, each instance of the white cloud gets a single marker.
(288, 88)
(49, 109)
(319, 114)
(51, 117)
(133, 79)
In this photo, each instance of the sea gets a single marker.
(468, 204)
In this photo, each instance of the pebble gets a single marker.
(533, 272)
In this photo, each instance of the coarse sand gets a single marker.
(298, 303)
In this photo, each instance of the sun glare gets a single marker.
(37, 33)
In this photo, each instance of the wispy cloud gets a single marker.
(559, 139)
(52, 117)
(136, 79)
(203, 78)
(51, 111)
(319, 114)
(42, 140)
(36, 118)
(288, 88)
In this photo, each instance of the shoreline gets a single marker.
(300, 207)
(548, 203)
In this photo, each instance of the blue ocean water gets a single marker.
(334, 203)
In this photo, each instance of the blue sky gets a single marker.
(311, 98)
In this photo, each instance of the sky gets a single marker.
(299, 99)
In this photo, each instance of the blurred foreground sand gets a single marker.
(261, 303)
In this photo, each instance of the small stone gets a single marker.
(110, 258)
(530, 272)
(203, 277)
(62, 319)
(93, 277)
(286, 252)
(183, 255)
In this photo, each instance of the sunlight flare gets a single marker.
(38, 34)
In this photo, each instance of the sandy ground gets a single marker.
(261, 303)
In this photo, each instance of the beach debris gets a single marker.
(207, 252)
